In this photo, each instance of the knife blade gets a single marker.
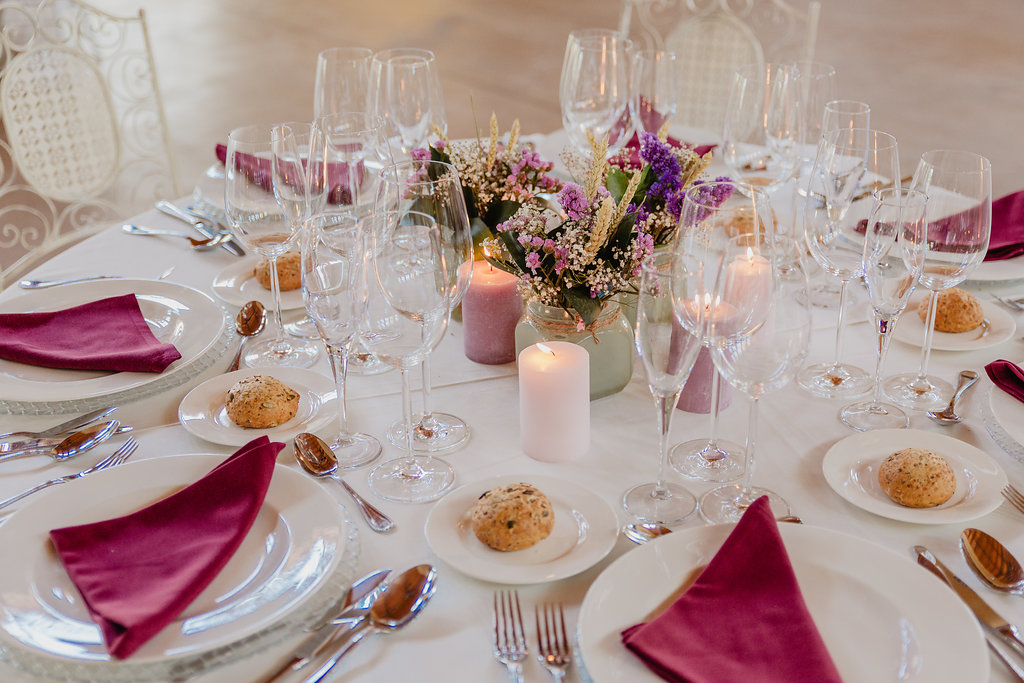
(70, 425)
(200, 226)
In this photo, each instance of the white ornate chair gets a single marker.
(83, 137)
(712, 37)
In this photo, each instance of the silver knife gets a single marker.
(70, 425)
(200, 226)
(999, 633)
(356, 602)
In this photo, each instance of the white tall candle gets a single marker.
(554, 401)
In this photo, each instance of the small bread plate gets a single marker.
(237, 285)
(905, 621)
(1007, 270)
(910, 330)
(203, 413)
(585, 531)
(851, 469)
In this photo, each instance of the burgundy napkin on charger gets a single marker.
(108, 334)
(138, 572)
(1007, 376)
(1007, 240)
(743, 619)
(261, 171)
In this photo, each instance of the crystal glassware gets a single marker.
(894, 255)
(342, 80)
(594, 90)
(405, 90)
(653, 89)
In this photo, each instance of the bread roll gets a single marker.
(956, 311)
(917, 478)
(513, 517)
(289, 271)
(261, 402)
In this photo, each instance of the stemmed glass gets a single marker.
(894, 255)
(333, 250)
(410, 274)
(594, 90)
(814, 85)
(434, 188)
(959, 189)
(712, 213)
(759, 350)
(342, 80)
(405, 90)
(268, 193)
(668, 348)
(850, 165)
(652, 100)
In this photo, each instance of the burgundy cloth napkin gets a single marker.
(1007, 240)
(138, 572)
(1007, 376)
(743, 619)
(632, 149)
(261, 171)
(108, 334)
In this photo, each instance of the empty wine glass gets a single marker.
(959, 189)
(814, 85)
(668, 350)
(405, 90)
(850, 165)
(594, 90)
(653, 92)
(894, 255)
(342, 80)
(757, 351)
(333, 291)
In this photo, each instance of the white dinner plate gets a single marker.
(1006, 270)
(1008, 413)
(176, 314)
(851, 469)
(881, 617)
(297, 558)
(910, 330)
(586, 528)
(237, 285)
(203, 412)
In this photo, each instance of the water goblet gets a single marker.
(405, 90)
(342, 80)
(594, 90)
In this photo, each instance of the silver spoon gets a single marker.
(991, 561)
(62, 448)
(948, 416)
(249, 322)
(197, 244)
(318, 459)
(641, 532)
(401, 601)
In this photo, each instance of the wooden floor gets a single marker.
(937, 73)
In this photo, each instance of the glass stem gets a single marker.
(716, 397)
(411, 467)
(748, 471)
(425, 370)
(339, 366)
(885, 326)
(280, 345)
(666, 406)
(839, 322)
(921, 383)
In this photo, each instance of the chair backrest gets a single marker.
(712, 37)
(83, 136)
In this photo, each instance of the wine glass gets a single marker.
(653, 93)
(268, 192)
(713, 213)
(668, 350)
(814, 85)
(959, 189)
(342, 80)
(434, 188)
(405, 90)
(411, 280)
(594, 90)
(894, 255)
(850, 165)
(333, 291)
(759, 353)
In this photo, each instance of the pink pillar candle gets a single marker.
(696, 394)
(490, 310)
(554, 401)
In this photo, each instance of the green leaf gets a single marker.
(620, 239)
(616, 183)
(646, 180)
(515, 250)
(589, 309)
(439, 155)
(480, 232)
(501, 212)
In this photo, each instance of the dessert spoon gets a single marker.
(991, 561)
(948, 416)
(249, 322)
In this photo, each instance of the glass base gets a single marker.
(303, 328)
(827, 296)
(355, 450)
(703, 460)
(728, 503)
(366, 364)
(905, 390)
(834, 381)
(645, 504)
(292, 353)
(439, 433)
(868, 415)
(412, 480)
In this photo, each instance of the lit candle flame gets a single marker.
(750, 255)
(546, 349)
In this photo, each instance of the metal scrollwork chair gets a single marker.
(83, 137)
(712, 37)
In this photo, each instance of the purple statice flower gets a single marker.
(708, 196)
(533, 261)
(644, 248)
(574, 201)
(561, 259)
(537, 242)
(420, 154)
(515, 224)
(440, 145)
(664, 165)
(524, 240)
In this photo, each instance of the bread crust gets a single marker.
(512, 517)
(261, 402)
(956, 311)
(289, 271)
(917, 478)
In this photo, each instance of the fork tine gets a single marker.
(563, 648)
(1014, 496)
(518, 623)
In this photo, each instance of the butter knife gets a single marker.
(200, 226)
(68, 426)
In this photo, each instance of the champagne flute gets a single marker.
(894, 255)
(653, 93)
(668, 350)
(342, 80)
(959, 189)
(405, 90)
(594, 90)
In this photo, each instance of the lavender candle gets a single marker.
(490, 310)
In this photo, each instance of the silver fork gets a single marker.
(555, 651)
(112, 460)
(1014, 496)
(509, 639)
(1007, 301)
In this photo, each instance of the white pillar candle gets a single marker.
(554, 401)
(749, 278)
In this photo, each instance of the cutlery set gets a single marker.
(554, 650)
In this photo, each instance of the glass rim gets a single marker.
(375, 121)
(857, 106)
(363, 52)
(389, 173)
(385, 56)
(832, 136)
(984, 164)
(895, 196)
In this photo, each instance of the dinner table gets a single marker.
(801, 446)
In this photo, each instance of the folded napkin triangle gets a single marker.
(743, 619)
(1007, 376)
(1007, 240)
(138, 572)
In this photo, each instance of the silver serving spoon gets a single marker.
(641, 532)
(197, 244)
(401, 601)
(991, 561)
(249, 322)
(62, 448)
(317, 458)
(948, 416)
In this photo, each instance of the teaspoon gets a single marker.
(316, 457)
(948, 416)
(197, 244)
(62, 449)
(249, 322)
(991, 561)
(641, 532)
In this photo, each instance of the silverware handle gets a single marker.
(43, 284)
(200, 226)
(515, 672)
(999, 647)
(966, 382)
(377, 520)
(17, 449)
(237, 360)
(29, 492)
(334, 658)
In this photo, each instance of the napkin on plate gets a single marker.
(261, 171)
(1007, 376)
(138, 572)
(108, 334)
(743, 619)
(1007, 240)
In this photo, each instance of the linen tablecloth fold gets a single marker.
(1007, 240)
(108, 334)
(1007, 376)
(743, 619)
(138, 572)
